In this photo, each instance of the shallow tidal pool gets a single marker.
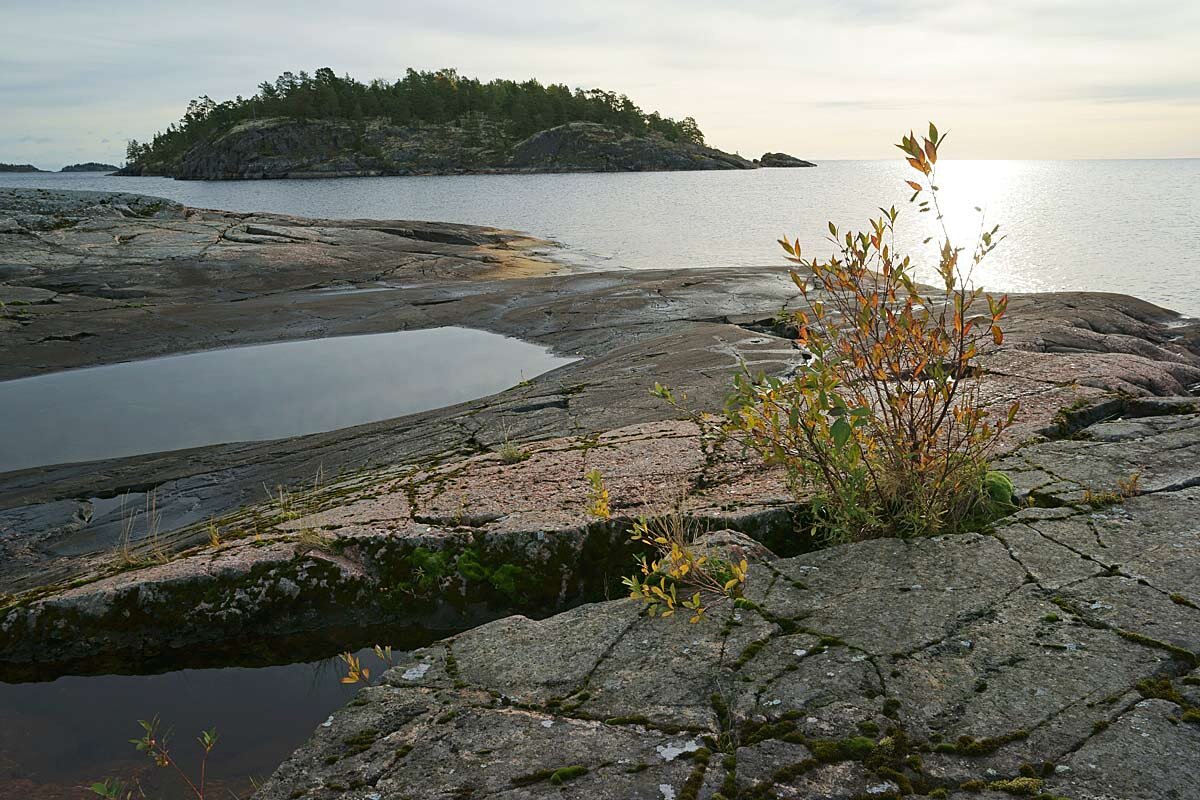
(254, 393)
(58, 737)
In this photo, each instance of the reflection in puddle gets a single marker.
(253, 393)
(338, 291)
(58, 737)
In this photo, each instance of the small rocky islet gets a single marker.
(782, 160)
(1057, 655)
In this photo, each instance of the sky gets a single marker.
(819, 80)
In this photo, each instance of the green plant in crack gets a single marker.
(678, 565)
(509, 579)
(429, 568)
(1127, 487)
(557, 776)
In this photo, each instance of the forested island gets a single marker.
(19, 168)
(90, 166)
(437, 122)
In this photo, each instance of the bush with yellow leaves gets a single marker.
(882, 430)
(680, 566)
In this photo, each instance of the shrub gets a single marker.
(883, 428)
(680, 565)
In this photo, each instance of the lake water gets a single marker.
(1120, 226)
(253, 393)
(59, 736)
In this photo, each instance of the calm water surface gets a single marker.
(1121, 226)
(59, 736)
(253, 393)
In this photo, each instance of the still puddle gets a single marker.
(56, 738)
(253, 393)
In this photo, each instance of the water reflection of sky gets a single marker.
(57, 736)
(253, 393)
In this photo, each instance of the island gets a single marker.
(19, 168)
(90, 166)
(782, 160)
(426, 123)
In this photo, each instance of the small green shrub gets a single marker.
(429, 567)
(598, 498)
(510, 453)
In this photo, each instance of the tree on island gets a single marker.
(439, 97)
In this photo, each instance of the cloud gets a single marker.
(826, 80)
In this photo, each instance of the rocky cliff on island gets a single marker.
(285, 148)
(427, 123)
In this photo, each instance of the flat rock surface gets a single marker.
(213, 279)
(425, 547)
(1055, 655)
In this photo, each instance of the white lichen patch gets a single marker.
(672, 750)
(415, 673)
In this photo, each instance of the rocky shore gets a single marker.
(1056, 655)
(97, 277)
